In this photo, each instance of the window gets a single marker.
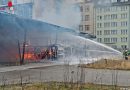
(114, 8)
(123, 8)
(106, 32)
(99, 17)
(124, 15)
(114, 16)
(113, 24)
(124, 39)
(124, 0)
(123, 46)
(107, 24)
(107, 9)
(99, 32)
(87, 17)
(81, 27)
(99, 39)
(87, 9)
(113, 40)
(106, 40)
(113, 32)
(107, 17)
(113, 1)
(99, 25)
(124, 32)
(87, 27)
(124, 23)
(81, 8)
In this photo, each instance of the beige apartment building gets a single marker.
(87, 21)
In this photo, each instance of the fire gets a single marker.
(29, 56)
(50, 52)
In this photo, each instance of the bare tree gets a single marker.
(3, 82)
(66, 72)
(21, 80)
(82, 74)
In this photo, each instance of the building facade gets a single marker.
(112, 24)
(87, 14)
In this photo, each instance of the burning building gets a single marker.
(12, 33)
(36, 36)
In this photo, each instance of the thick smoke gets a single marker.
(65, 13)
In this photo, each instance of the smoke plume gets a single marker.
(65, 13)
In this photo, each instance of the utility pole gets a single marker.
(24, 48)
(19, 50)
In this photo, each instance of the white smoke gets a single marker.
(65, 13)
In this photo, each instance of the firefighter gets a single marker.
(48, 53)
(125, 54)
(55, 48)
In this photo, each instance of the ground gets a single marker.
(62, 86)
(64, 73)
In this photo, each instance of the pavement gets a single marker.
(41, 72)
(27, 66)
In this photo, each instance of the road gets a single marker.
(46, 73)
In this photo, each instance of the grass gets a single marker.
(109, 64)
(60, 86)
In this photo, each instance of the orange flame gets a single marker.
(29, 56)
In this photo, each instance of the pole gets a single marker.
(19, 50)
(24, 47)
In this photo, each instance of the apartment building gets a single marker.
(112, 23)
(87, 13)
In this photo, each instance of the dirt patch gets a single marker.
(109, 64)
